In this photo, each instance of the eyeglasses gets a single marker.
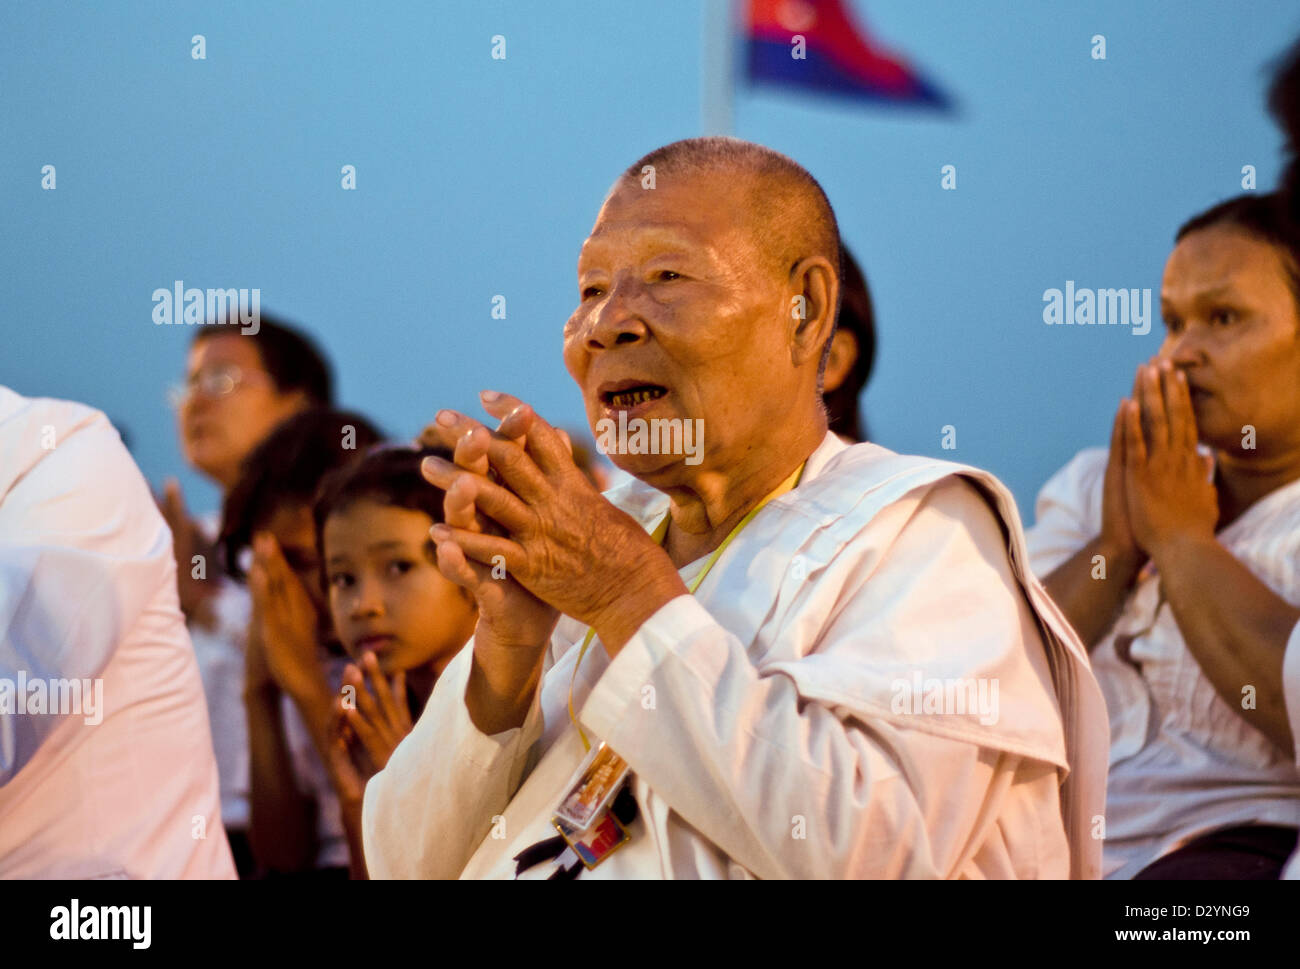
(213, 383)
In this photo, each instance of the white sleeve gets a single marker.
(785, 784)
(83, 551)
(1067, 514)
(1291, 686)
(427, 811)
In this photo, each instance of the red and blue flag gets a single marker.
(838, 56)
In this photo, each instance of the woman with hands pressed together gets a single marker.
(1175, 556)
(238, 388)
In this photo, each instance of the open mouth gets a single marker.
(628, 397)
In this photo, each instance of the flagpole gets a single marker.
(717, 68)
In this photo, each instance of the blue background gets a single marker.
(478, 177)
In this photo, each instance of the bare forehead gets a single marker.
(696, 215)
(644, 236)
(1219, 259)
(379, 518)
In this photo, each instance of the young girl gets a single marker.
(288, 666)
(399, 619)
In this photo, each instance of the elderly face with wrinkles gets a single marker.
(708, 298)
(683, 315)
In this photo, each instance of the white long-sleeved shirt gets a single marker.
(768, 720)
(220, 654)
(1182, 762)
(219, 649)
(88, 591)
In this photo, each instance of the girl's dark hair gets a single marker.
(286, 468)
(1266, 217)
(1284, 104)
(388, 475)
(858, 316)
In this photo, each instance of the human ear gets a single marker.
(814, 288)
(843, 355)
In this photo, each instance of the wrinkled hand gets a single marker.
(556, 536)
(188, 541)
(508, 614)
(1166, 483)
(287, 622)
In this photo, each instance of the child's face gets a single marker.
(386, 594)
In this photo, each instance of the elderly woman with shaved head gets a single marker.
(769, 654)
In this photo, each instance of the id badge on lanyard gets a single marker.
(584, 818)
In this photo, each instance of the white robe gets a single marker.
(1183, 762)
(88, 590)
(761, 718)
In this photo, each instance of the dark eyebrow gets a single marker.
(1224, 291)
(1218, 292)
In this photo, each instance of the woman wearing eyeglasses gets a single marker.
(238, 388)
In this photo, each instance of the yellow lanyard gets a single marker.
(659, 534)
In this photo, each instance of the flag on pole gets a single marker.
(817, 45)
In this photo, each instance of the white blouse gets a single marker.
(88, 591)
(759, 716)
(1182, 762)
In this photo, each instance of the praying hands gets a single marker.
(516, 501)
(1167, 489)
